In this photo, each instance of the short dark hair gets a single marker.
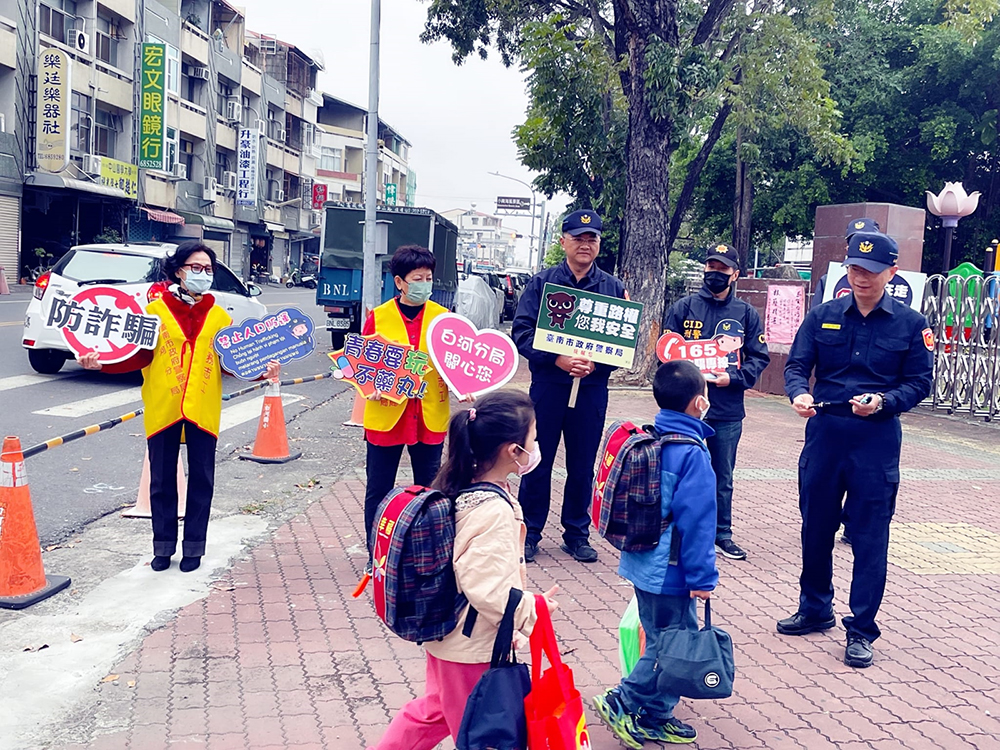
(676, 384)
(409, 258)
(177, 259)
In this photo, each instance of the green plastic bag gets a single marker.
(631, 638)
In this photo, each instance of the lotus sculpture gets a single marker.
(951, 204)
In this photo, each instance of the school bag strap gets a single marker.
(473, 614)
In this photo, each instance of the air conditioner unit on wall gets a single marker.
(80, 41)
(281, 135)
(261, 126)
(208, 193)
(279, 195)
(92, 164)
(234, 110)
(229, 181)
(316, 218)
(180, 171)
(201, 74)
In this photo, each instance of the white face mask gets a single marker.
(534, 458)
(197, 282)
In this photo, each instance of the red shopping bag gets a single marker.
(553, 708)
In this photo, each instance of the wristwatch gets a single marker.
(881, 403)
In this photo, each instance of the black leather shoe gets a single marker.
(530, 550)
(582, 552)
(859, 652)
(799, 624)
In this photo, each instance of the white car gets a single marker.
(135, 268)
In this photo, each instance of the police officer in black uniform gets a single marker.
(871, 356)
(551, 380)
(716, 313)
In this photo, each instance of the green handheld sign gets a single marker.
(578, 323)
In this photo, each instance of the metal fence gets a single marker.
(963, 313)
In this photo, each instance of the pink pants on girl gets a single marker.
(423, 722)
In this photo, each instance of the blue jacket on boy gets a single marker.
(687, 488)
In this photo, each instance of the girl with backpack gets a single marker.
(485, 445)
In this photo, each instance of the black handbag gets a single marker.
(696, 663)
(494, 714)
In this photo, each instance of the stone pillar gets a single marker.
(903, 223)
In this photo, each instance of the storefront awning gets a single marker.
(164, 217)
(215, 223)
(43, 179)
(272, 227)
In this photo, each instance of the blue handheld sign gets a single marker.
(245, 349)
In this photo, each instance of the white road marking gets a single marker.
(23, 381)
(86, 406)
(237, 414)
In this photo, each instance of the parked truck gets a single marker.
(341, 261)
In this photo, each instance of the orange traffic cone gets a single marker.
(357, 418)
(22, 576)
(271, 445)
(141, 508)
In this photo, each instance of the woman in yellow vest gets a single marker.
(419, 424)
(182, 400)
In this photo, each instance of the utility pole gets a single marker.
(542, 232)
(370, 275)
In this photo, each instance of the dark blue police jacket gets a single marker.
(543, 364)
(697, 317)
(889, 352)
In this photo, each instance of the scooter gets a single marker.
(308, 281)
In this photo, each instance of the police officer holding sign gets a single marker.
(551, 381)
(715, 313)
(871, 356)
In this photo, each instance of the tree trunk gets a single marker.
(644, 248)
(742, 206)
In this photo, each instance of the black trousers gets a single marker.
(164, 448)
(581, 428)
(857, 458)
(381, 467)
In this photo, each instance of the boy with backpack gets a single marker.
(669, 573)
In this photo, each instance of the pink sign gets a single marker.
(784, 312)
(470, 361)
(710, 355)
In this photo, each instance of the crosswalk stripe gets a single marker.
(23, 381)
(237, 414)
(83, 407)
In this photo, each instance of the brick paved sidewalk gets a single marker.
(279, 655)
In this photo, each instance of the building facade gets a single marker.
(484, 243)
(170, 120)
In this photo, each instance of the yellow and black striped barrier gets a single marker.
(94, 428)
(100, 427)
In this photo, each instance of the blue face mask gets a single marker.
(197, 282)
(418, 292)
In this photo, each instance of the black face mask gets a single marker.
(717, 281)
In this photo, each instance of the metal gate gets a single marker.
(10, 237)
(963, 313)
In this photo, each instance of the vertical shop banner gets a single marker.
(784, 312)
(120, 175)
(319, 196)
(52, 110)
(152, 109)
(246, 167)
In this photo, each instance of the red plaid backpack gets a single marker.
(626, 506)
(413, 542)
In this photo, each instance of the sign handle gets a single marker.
(573, 392)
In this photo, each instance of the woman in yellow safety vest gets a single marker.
(182, 400)
(419, 424)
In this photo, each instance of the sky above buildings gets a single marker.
(458, 118)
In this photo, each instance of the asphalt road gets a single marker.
(78, 482)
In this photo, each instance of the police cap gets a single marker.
(725, 254)
(580, 222)
(864, 224)
(873, 251)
